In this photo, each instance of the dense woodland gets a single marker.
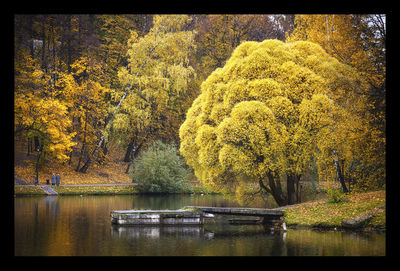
(83, 81)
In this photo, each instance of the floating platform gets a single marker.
(194, 215)
(157, 217)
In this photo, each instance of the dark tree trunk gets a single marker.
(83, 143)
(293, 188)
(290, 189)
(339, 173)
(70, 158)
(39, 149)
(274, 189)
(133, 157)
(128, 153)
(44, 65)
(37, 165)
(68, 39)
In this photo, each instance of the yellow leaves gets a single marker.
(284, 110)
(245, 49)
(158, 76)
(264, 89)
(46, 111)
(170, 23)
(317, 112)
(268, 106)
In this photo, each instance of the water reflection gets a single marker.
(81, 226)
(156, 232)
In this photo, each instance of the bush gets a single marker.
(335, 195)
(160, 169)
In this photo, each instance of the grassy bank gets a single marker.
(22, 190)
(323, 214)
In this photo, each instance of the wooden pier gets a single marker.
(271, 218)
(194, 215)
(238, 211)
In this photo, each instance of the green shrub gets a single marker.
(160, 169)
(335, 195)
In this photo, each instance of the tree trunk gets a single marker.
(104, 149)
(127, 89)
(298, 188)
(133, 157)
(339, 172)
(89, 160)
(128, 153)
(290, 189)
(274, 190)
(293, 188)
(44, 65)
(69, 49)
(39, 149)
(37, 165)
(70, 158)
(83, 143)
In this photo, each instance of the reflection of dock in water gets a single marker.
(133, 232)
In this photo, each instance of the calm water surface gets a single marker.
(80, 226)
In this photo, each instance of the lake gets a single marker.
(80, 226)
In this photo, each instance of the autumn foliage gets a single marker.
(250, 99)
(271, 110)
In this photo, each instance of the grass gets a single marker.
(328, 214)
(28, 190)
(77, 190)
(95, 190)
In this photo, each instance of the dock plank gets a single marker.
(238, 211)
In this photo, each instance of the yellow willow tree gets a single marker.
(261, 118)
(158, 74)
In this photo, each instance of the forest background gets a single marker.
(92, 91)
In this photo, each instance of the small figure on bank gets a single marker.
(58, 179)
(36, 181)
(53, 179)
(47, 181)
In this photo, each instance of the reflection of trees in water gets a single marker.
(169, 202)
(132, 232)
(73, 225)
(221, 231)
(303, 242)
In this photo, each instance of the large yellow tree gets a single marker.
(266, 114)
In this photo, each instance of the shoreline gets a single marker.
(90, 189)
(372, 219)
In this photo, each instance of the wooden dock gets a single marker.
(238, 211)
(194, 215)
(271, 218)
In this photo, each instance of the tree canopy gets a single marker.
(249, 98)
(272, 108)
